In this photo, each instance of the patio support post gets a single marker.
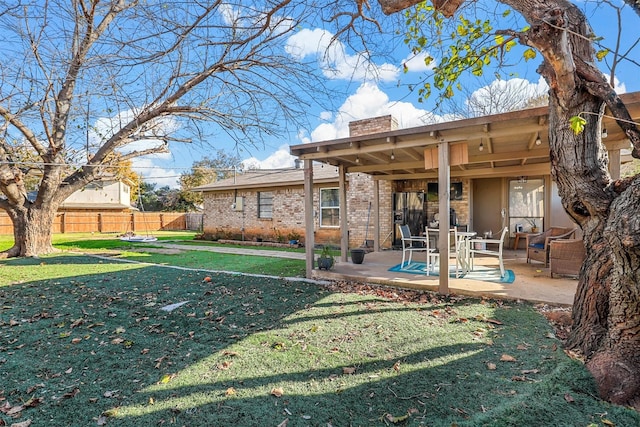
(344, 220)
(376, 215)
(444, 178)
(309, 237)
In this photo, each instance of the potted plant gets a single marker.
(534, 226)
(325, 260)
(357, 255)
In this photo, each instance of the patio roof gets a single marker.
(508, 141)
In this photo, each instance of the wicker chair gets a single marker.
(538, 244)
(566, 256)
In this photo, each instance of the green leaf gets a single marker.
(529, 54)
(601, 54)
(577, 124)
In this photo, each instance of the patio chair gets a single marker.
(411, 244)
(479, 246)
(566, 256)
(433, 256)
(538, 244)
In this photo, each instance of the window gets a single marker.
(329, 207)
(526, 204)
(265, 204)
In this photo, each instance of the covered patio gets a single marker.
(511, 146)
(532, 282)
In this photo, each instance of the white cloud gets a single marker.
(277, 160)
(618, 86)
(370, 101)
(334, 61)
(151, 173)
(415, 63)
(501, 96)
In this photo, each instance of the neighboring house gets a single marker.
(104, 195)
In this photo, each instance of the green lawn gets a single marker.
(85, 342)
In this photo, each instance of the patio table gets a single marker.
(463, 248)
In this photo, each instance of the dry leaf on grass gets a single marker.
(507, 358)
(491, 366)
(277, 391)
(348, 370)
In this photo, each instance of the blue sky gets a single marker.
(381, 89)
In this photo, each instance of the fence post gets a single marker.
(99, 222)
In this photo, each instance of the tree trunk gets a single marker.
(32, 231)
(606, 309)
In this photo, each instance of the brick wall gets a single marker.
(372, 125)
(221, 221)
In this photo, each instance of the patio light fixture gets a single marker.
(604, 133)
(357, 159)
(538, 140)
(393, 156)
(481, 147)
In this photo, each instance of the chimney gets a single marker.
(372, 125)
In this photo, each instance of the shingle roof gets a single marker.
(261, 178)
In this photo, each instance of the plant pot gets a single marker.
(357, 256)
(324, 263)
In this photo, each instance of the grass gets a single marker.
(149, 253)
(85, 342)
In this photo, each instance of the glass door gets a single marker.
(526, 205)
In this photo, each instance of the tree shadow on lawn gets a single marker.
(96, 342)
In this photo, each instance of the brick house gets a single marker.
(494, 171)
(268, 205)
(498, 176)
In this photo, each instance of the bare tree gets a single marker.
(90, 84)
(607, 303)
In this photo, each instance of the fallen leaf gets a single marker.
(26, 423)
(277, 391)
(568, 398)
(230, 391)
(348, 370)
(608, 422)
(284, 423)
(14, 410)
(491, 366)
(166, 378)
(395, 419)
(33, 402)
(530, 371)
(224, 365)
(102, 420)
(71, 393)
(507, 358)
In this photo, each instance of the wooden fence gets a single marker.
(110, 222)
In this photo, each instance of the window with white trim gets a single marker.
(265, 204)
(329, 207)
